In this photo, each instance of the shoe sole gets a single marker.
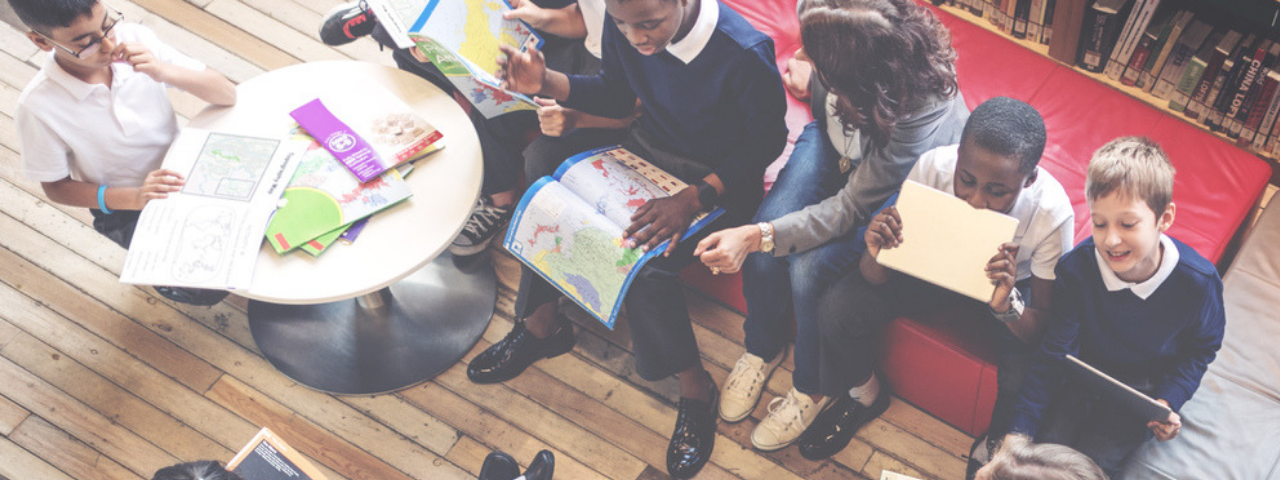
(782, 355)
(771, 448)
(741, 417)
(467, 251)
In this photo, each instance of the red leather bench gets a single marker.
(950, 371)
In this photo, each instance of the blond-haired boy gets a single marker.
(1131, 301)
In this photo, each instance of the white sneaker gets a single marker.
(788, 417)
(746, 382)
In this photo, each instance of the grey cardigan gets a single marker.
(873, 180)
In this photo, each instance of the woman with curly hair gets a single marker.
(884, 92)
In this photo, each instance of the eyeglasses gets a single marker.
(109, 22)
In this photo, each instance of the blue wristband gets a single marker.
(102, 199)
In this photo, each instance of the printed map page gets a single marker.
(575, 248)
(230, 166)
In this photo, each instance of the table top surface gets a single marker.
(397, 241)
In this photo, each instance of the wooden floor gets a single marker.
(100, 380)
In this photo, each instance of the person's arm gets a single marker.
(880, 174)
(166, 65)
(762, 103)
(75, 193)
(1199, 344)
(563, 22)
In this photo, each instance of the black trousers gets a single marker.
(661, 330)
(852, 313)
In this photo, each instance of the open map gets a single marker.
(230, 166)
(568, 227)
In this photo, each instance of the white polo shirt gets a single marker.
(107, 136)
(1043, 210)
(593, 17)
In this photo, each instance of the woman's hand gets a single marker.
(1002, 269)
(796, 78)
(725, 250)
(884, 231)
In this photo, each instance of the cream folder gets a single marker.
(946, 242)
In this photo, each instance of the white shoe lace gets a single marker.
(745, 377)
(484, 216)
(786, 412)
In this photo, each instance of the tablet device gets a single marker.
(1115, 390)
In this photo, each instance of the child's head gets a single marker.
(1130, 192)
(74, 30)
(1019, 459)
(882, 58)
(201, 470)
(649, 25)
(999, 150)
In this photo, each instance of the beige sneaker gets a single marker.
(787, 419)
(746, 382)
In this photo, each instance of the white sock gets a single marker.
(867, 392)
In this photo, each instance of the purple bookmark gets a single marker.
(339, 139)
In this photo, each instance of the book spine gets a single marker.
(1133, 71)
(1034, 20)
(1258, 111)
(1248, 93)
(1021, 17)
(1219, 83)
(1217, 112)
(976, 7)
(1150, 77)
(1190, 78)
(1007, 15)
(1273, 108)
(1046, 34)
(1134, 24)
(1172, 72)
(1197, 105)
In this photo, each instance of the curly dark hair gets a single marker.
(199, 470)
(883, 58)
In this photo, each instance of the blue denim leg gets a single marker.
(770, 283)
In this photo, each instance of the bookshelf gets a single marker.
(1161, 104)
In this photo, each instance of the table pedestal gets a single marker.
(384, 341)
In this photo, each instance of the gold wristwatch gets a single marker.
(766, 237)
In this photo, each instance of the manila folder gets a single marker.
(947, 242)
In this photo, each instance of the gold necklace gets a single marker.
(846, 163)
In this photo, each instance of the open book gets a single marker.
(568, 226)
(267, 457)
(461, 38)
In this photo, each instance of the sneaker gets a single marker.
(744, 385)
(347, 22)
(487, 221)
(788, 418)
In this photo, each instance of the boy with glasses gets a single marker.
(95, 122)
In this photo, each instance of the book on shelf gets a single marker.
(1068, 19)
(1188, 43)
(1195, 69)
(1220, 81)
(1144, 54)
(1271, 95)
(1035, 20)
(1151, 72)
(1212, 65)
(1101, 30)
(1232, 80)
(268, 457)
(1046, 21)
(1250, 87)
(568, 227)
(1134, 28)
(1021, 18)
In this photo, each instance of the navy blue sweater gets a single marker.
(1170, 338)
(725, 109)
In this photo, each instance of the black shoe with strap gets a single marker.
(347, 22)
(694, 437)
(834, 427)
(509, 357)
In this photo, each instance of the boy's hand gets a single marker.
(142, 60)
(553, 119)
(531, 13)
(157, 185)
(884, 231)
(662, 219)
(1002, 269)
(1167, 429)
(522, 72)
(725, 250)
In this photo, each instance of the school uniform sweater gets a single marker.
(1170, 337)
(720, 103)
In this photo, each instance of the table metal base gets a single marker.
(384, 341)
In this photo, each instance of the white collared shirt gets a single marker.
(106, 136)
(593, 17)
(1144, 289)
(692, 44)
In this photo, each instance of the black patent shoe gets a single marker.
(509, 357)
(835, 426)
(542, 467)
(694, 438)
(499, 466)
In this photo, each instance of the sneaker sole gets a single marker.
(469, 250)
(771, 448)
(740, 417)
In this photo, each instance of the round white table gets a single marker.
(393, 308)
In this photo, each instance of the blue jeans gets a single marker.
(770, 283)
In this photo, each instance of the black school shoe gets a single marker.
(193, 296)
(835, 426)
(542, 467)
(347, 22)
(499, 466)
(694, 438)
(509, 357)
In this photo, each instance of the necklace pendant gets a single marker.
(845, 164)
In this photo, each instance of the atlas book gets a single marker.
(368, 132)
(1119, 392)
(462, 39)
(569, 226)
(268, 457)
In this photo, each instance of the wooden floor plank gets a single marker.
(20, 464)
(307, 22)
(279, 35)
(220, 32)
(69, 454)
(15, 41)
(15, 71)
(395, 412)
(11, 415)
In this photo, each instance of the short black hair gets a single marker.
(201, 470)
(1007, 127)
(43, 15)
